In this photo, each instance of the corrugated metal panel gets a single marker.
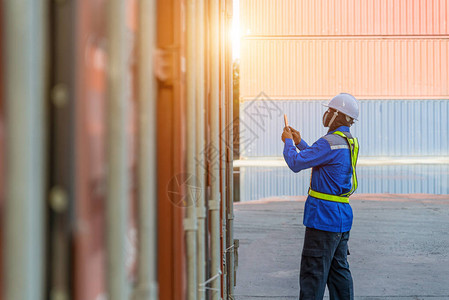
(366, 68)
(344, 17)
(89, 246)
(259, 182)
(171, 108)
(385, 127)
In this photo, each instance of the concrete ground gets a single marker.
(399, 247)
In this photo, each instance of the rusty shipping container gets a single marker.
(90, 141)
(171, 123)
(82, 121)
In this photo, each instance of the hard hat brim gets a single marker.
(326, 105)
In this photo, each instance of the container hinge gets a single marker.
(58, 199)
(145, 291)
(190, 224)
(201, 212)
(167, 63)
(214, 204)
(59, 95)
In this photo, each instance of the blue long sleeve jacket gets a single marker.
(330, 161)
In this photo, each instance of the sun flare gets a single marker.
(236, 33)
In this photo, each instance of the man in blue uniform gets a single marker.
(327, 213)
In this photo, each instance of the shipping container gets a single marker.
(90, 160)
(344, 17)
(23, 111)
(171, 161)
(2, 158)
(259, 182)
(391, 55)
(117, 104)
(386, 128)
(318, 68)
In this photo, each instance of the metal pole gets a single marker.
(223, 130)
(147, 288)
(200, 137)
(230, 149)
(25, 84)
(190, 222)
(214, 202)
(117, 177)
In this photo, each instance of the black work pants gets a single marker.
(324, 261)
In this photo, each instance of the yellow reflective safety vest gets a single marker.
(353, 144)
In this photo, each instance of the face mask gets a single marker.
(329, 117)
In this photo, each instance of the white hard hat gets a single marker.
(345, 103)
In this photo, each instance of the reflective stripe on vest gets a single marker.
(323, 196)
(354, 151)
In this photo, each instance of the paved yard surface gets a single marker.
(399, 247)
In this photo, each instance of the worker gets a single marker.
(327, 213)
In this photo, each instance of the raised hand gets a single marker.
(296, 135)
(286, 134)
